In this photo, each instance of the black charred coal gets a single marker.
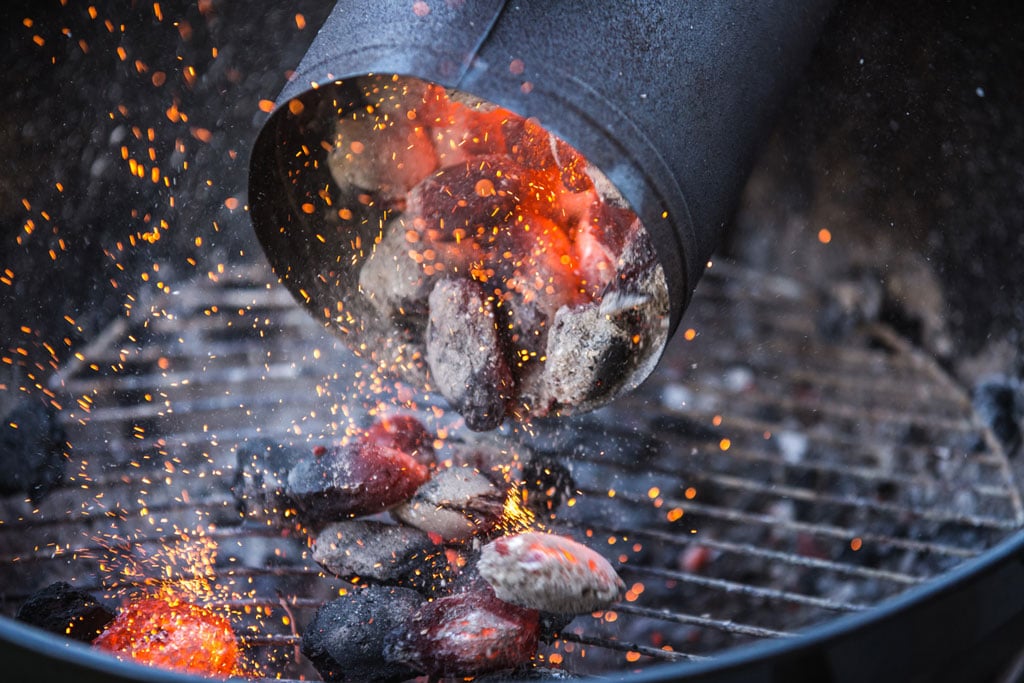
(63, 609)
(345, 640)
(384, 553)
(669, 100)
(31, 449)
(261, 476)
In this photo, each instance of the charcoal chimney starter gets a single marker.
(404, 115)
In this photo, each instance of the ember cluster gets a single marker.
(468, 250)
(446, 577)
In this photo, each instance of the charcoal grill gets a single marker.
(791, 505)
(827, 486)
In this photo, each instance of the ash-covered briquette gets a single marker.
(384, 553)
(340, 482)
(456, 504)
(345, 640)
(585, 352)
(60, 608)
(31, 449)
(261, 477)
(465, 353)
(549, 572)
(468, 633)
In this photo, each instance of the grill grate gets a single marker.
(763, 481)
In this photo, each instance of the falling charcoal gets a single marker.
(405, 433)
(378, 552)
(31, 449)
(468, 633)
(465, 355)
(583, 347)
(457, 503)
(395, 283)
(549, 572)
(332, 484)
(63, 609)
(345, 640)
(261, 476)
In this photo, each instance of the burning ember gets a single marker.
(467, 250)
(169, 633)
(424, 598)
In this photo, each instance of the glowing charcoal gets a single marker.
(404, 433)
(170, 634)
(350, 481)
(433, 193)
(465, 634)
(549, 572)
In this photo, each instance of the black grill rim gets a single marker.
(961, 626)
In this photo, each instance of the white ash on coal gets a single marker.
(456, 504)
(465, 354)
(65, 610)
(549, 572)
(468, 633)
(261, 476)
(340, 482)
(345, 640)
(376, 552)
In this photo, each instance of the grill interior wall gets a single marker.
(815, 478)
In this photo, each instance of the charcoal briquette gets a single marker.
(464, 634)
(345, 640)
(457, 503)
(340, 482)
(466, 355)
(60, 608)
(374, 551)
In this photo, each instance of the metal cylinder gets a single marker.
(667, 99)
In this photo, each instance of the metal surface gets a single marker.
(669, 100)
(744, 501)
